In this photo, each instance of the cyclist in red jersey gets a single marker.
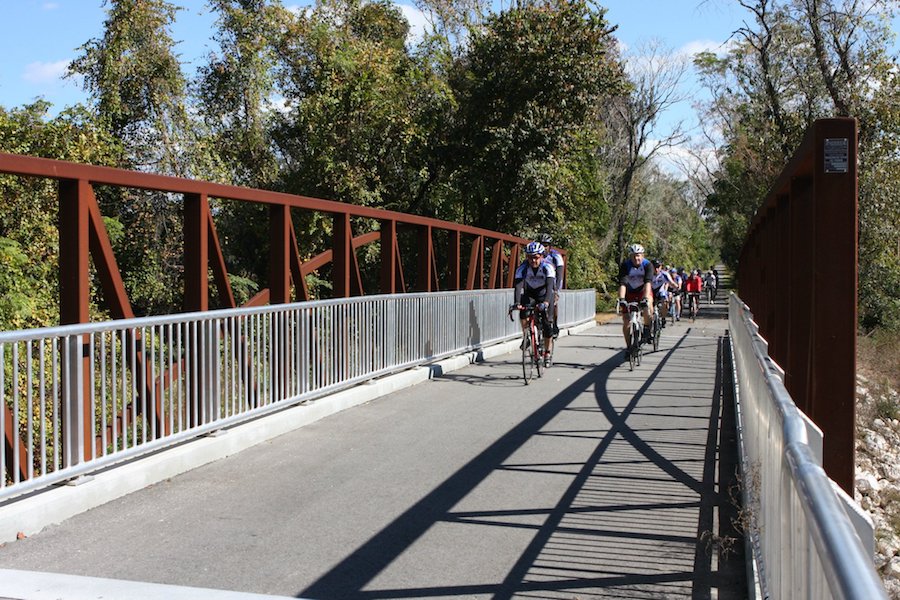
(693, 286)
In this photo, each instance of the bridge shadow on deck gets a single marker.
(576, 552)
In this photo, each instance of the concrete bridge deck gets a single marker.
(593, 482)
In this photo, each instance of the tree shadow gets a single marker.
(645, 515)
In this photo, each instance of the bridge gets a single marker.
(247, 475)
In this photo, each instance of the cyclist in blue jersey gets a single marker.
(660, 285)
(535, 281)
(556, 259)
(635, 281)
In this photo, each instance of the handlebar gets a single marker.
(628, 304)
(526, 307)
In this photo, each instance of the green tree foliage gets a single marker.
(499, 120)
(134, 80)
(360, 111)
(528, 94)
(29, 240)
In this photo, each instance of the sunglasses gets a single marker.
(535, 256)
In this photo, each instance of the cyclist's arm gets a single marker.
(518, 289)
(549, 286)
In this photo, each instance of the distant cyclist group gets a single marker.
(650, 294)
(659, 292)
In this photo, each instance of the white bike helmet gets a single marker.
(534, 248)
(635, 249)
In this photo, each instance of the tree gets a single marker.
(138, 92)
(633, 131)
(765, 97)
(528, 89)
(29, 247)
(135, 81)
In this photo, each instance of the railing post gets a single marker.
(74, 303)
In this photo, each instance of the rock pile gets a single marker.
(878, 474)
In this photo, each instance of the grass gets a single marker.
(878, 361)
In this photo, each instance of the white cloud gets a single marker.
(697, 46)
(50, 5)
(418, 23)
(45, 72)
(678, 161)
(299, 10)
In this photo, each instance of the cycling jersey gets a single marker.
(534, 282)
(634, 277)
(694, 284)
(556, 259)
(660, 283)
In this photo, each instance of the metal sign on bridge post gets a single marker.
(798, 273)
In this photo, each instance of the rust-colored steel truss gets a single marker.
(83, 240)
(798, 274)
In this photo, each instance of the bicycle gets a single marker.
(533, 355)
(694, 303)
(656, 325)
(636, 327)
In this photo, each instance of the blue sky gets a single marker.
(39, 37)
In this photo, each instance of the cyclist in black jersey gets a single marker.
(535, 281)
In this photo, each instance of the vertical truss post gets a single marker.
(279, 254)
(424, 259)
(496, 265)
(453, 259)
(388, 275)
(342, 244)
(835, 246)
(74, 303)
(475, 280)
(801, 253)
(196, 252)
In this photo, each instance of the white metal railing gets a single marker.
(81, 397)
(808, 538)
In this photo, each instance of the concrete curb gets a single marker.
(29, 515)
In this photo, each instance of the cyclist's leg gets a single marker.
(547, 326)
(525, 300)
(648, 320)
(556, 313)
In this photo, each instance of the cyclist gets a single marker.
(711, 281)
(635, 279)
(660, 285)
(693, 286)
(556, 259)
(677, 292)
(535, 281)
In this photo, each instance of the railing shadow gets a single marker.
(580, 545)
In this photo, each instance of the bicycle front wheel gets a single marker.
(635, 345)
(539, 354)
(656, 330)
(527, 360)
